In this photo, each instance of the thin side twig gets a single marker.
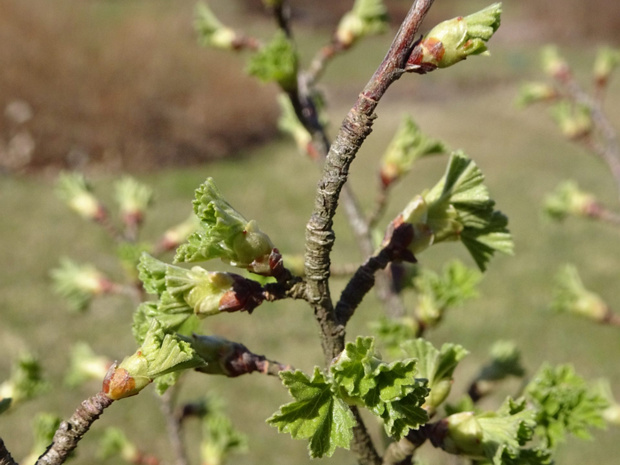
(5, 455)
(173, 426)
(70, 432)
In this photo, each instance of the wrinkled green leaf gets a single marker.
(316, 414)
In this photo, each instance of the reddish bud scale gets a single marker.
(244, 295)
(427, 48)
(118, 383)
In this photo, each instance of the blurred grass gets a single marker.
(471, 108)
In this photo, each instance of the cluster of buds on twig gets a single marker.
(454, 40)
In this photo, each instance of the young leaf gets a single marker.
(564, 404)
(26, 381)
(85, 365)
(571, 296)
(436, 293)
(568, 199)
(224, 233)
(437, 366)
(316, 414)
(79, 284)
(133, 199)
(276, 62)
(367, 17)
(159, 355)
(390, 391)
(454, 40)
(77, 193)
(458, 207)
(211, 31)
(219, 437)
(407, 146)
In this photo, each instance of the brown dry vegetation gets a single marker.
(128, 86)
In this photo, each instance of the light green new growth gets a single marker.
(497, 437)
(79, 284)
(459, 208)
(437, 366)
(505, 361)
(454, 40)
(607, 60)
(568, 199)
(224, 233)
(76, 192)
(367, 17)
(407, 146)
(564, 404)
(276, 62)
(394, 331)
(85, 365)
(533, 92)
(114, 443)
(316, 414)
(219, 437)
(290, 124)
(574, 120)
(132, 196)
(211, 31)
(25, 383)
(44, 426)
(437, 293)
(571, 296)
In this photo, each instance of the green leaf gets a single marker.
(79, 284)
(316, 414)
(390, 391)
(437, 293)
(26, 381)
(77, 193)
(568, 199)
(459, 207)
(392, 332)
(276, 62)
(408, 145)
(219, 436)
(224, 233)
(437, 366)
(367, 17)
(497, 437)
(571, 296)
(564, 404)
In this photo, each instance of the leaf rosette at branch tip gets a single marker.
(160, 354)
(497, 437)
(457, 208)
(367, 17)
(437, 366)
(276, 62)
(76, 192)
(408, 145)
(184, 293)
(224, 233)
(211, 31)
(79, 284)
(564, 404)
(571, 296)
(568, 199)
(454, 40)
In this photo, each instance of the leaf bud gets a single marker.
(211, 31)
(571, 296)
(568, 199)
(367, 17)
(133, 198)
(77, 193)
(574, 120)
(533, 92)
(554, 64)
(607, 60)
(463, 435)
(454, 40)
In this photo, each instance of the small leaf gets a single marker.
(316, 414)
(564, 404)
(276, 62)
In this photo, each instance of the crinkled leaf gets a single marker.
(316, 414)
(564, 404)
(437, 366)
(276, 62)
(390, 391)
(437, 293)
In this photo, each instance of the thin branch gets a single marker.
(362, 444)
(5, 455)
(173, 426)
(70, 432)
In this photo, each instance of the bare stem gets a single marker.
(5, 455)
(173, 426)
(70, 432)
